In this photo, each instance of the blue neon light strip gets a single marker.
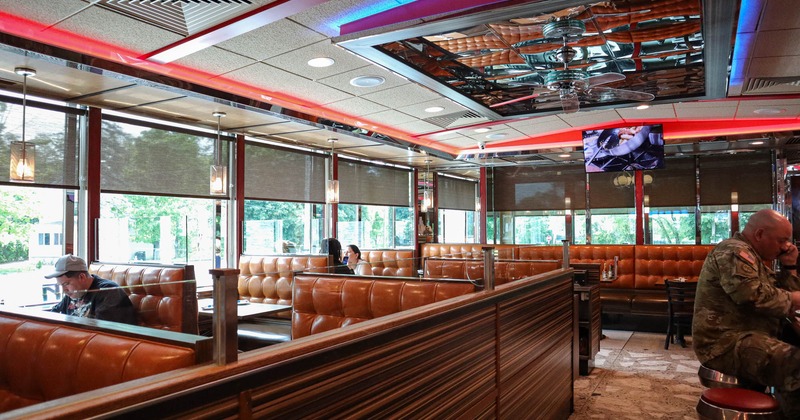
(364, 10)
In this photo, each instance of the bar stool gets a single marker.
(737, 403)
(711, 378)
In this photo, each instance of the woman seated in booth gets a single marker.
(332, 247)
(352, 257)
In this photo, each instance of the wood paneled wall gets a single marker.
(505, 353)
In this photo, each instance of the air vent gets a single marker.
(456, 119)
(181, 17)
(772, 85)
(792, 157)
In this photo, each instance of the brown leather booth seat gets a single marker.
(504, 270)
(469, 251)
(268, 278)
(323, 303)
(164, 296)
(391, 262)
(42, 360)
(639, 286)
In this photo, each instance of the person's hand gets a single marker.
(789, 255)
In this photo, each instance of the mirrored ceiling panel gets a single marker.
(596, 54)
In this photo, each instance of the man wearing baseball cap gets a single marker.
(90, 296)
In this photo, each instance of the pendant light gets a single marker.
(219, 172)
(427, 195)
(332, 185)
(23, 154)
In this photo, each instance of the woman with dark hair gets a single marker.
(352, 257)
(332, 247)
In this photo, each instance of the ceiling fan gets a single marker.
(572, 85)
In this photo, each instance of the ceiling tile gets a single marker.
(661, 112)
(404, 95)
(776, 43)
(417, 127)
(215, 61)
(544, 127)
(271, 40)
(582, 119)
(50, 15)
(418, 110)
(342, 81)
(356, 107)
(550, 120)
(113, 28)
(135, 95)
(747, 110)
(777, 16)
(272, 79)
(389, 117)
(774, 66)
(296, 61)
(327, 17)
(280, 128)
(711, 112)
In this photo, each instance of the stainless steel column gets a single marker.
(565, 255)
(224, 320)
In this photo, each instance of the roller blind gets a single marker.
(537, 188)
(377, 185)
(144, 159)
(672, 186)
(456, 194)
(611, 190)
(54, 134)
(747, 174)
(284, 175)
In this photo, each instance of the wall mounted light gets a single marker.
(23, 154)
(734, 201)
(567, 206)
(332, 185)
(219, 172)
(427, 195)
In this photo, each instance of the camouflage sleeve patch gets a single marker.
(745, 264)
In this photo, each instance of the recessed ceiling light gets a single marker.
(757, 143)
(321, 62)
(769, 111)
(643, 106)
(434, 109)
(482, 129)
(367, 81)
(564, 155)
(496, 136)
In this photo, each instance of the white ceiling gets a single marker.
(256, 75)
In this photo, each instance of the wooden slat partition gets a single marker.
(505, 353)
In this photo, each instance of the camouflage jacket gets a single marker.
(737, 294)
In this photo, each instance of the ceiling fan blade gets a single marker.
(604, 94)
(570, 103)
(514, 100)
(604, 78)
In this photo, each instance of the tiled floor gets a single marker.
(635, 378)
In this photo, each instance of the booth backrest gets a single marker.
(165, 296)
(391, 262)
(473, 251)
(42, 361)
(323, 303)
(504, 270)
(604, 254)
(654, 263)
(268, 278)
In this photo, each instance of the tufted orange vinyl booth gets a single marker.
(42, 361)
(268, 278)
(323, 303)
(504, 270)
(164, 295)
(655, 263)
(474, 251)
(396, 263)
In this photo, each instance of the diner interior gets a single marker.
(525, 180)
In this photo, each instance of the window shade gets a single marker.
(55, 136)
(456, 194)
(377, 185)
(749, 175)
(285, 175)
(531, 188)
(672, 186)
(139, 159)
(611, 190)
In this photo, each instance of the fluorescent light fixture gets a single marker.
(434, 109)
(495, 136)
(564, 155)
(769, 111)
(643, 106)
(482, 129)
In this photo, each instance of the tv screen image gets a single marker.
(624, 148)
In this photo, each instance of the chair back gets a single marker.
(680, 297)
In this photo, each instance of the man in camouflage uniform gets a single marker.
(741, 304)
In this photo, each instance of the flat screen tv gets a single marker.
(624, 148)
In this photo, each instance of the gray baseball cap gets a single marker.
(68, 263)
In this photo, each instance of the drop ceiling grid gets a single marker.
(296, 61)
(135, 95)
(271, 40)
(272, 79)
(660, 112)
(389, 118)
(583, 119)
(341, 81)
(50, 15)
(403, 95)
(780, 14)
(356, 107)
(119, 30)
(215, 61)
(712, 111)
(418, 109)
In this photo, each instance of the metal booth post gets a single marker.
(488, 267)
(224, 320)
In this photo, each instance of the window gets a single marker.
(671, 225)
(272, 227)
(375, 227)
(539, 227)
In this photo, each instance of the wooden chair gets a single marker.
(680, 307)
